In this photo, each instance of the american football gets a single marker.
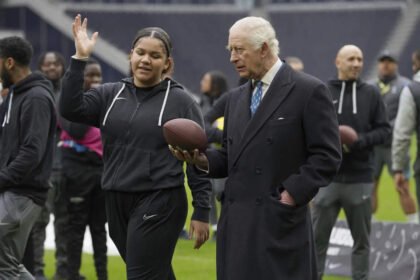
(185, 134)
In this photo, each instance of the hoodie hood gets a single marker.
(32, 80)
(165, 85)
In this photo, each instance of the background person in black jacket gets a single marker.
(28, 122)
(360, 106)
(52, 65)
(81, 150)
(146, 204)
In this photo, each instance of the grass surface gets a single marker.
(190, 264)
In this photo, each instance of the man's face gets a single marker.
(387, 68)
(51, 67)
(246, 59)
(92, 76)
(415, 63)
(349, 64)
(5, 75)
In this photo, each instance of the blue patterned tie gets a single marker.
(256, 98)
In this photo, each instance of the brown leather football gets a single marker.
(185, 134)
(347, 134)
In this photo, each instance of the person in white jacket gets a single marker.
(406, 123)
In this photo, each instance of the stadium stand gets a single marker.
(316, 35)
(43, 36)
(311, 31)
(412, 44)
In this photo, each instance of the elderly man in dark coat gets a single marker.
(281, 145)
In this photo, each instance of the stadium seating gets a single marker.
(43, 36)
(316, 36)
(200, 35)
(405, 57)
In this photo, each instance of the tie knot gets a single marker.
(258, 84)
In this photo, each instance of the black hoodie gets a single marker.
(360, 106)
(28, 123)
(136, 155)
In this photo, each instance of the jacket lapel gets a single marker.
(242, 114)
(277, 92)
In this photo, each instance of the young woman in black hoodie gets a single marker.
(145, 196)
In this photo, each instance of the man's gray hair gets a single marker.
(260, 31)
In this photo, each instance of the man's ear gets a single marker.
(265, 49)
(337, 62)
(9, 63)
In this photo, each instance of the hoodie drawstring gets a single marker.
(354, 99)
(9, 109)
(112, 104)
(340, 104)
(164, 103)
(161, 110)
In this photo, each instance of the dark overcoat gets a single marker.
(290, 143)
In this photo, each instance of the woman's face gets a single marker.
(148, 61)
(206, 84)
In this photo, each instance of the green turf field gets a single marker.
(190, 264)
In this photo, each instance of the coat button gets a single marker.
(270, 140)
(258, 200)
(230, 140)
(231, 200)
(258, 171)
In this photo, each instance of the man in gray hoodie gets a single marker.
(406, 123)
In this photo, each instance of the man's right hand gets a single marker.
(193, 157)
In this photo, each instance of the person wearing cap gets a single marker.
(407, 121)
(145, 199)
(390, 84)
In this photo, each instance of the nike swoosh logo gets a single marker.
(364, 197)
(5, 224)
(147, 217)
(334, 265)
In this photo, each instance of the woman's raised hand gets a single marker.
(84, 45)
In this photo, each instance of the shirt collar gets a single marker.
(269, 76)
